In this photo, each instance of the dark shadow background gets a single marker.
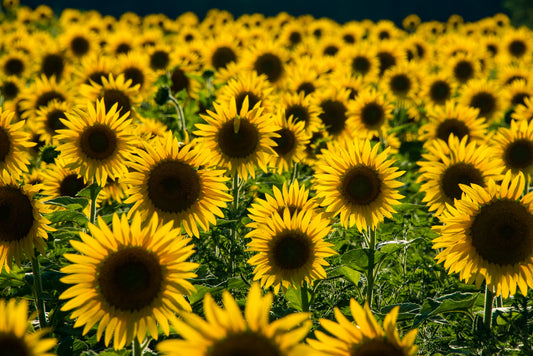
(338, 10)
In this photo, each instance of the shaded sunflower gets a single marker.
(181, 78)
(351, 32)
(411, 22)
(291, 249)
(147, 129)
(15, 63)
(52, 61)
(516, 93)
(97, 141)
(41, 93)
(122, 41)
(226, 331)
(401, 81)
(304, 77)
(78, 41)
(16, 336)
(295, 198)
(61, 181)
(135, 66)
(48, 121)
(22, 225)
(113, 91)
(453, 119)
(292, 34)
(385, 30)
(524, 111)
(94, 67)
(301, 108)
(13, 143)
(237, 140)
(462, 68)
(358, 183)
(247, 84)
(485, 96)
(129, 279)
(159, 56)
(517, 43)
(437, 89)
(369, 113)
(488, 235)
(389, 54)
(333, 104)
(514, 145)
(449, 165)
(114, 191)
(168, 180)
(366, 337)
(290, 143)
(267, 58)
(10, 88)
(507, 74)
(362, 60)
(220, 50)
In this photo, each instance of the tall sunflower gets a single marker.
(15, 335)
(291, 249)
(366, 337)
(226, 331)
(290, 143)
(13, 142)
(358, 183)
(168, 180)
(488, 235)
(448, 165)
(129, 279)
(98, 141)
(22, 226)
(238, 140)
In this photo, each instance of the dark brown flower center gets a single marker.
(9, 90)
(285, 142)
(159, 60)
(238, 143)
(502, 232)
(440, 91)
(520, 98)
(122, 48)
(5, 144)
(298, 112)
(372, 115)
(331, 50)
(252, 99)
(361, 185)
(13, 66)
(79, 46)
(98, 142)
(244, 344)
(454, 127)
(376, 347)
(517, 48)
(290, 250)
(130, 279)
(386, 60)
(173, 186)
(485, 102)
(53, 64)
(333, 115)
(459, 173)
(135, 75)
(16, 214)
(53, 121)
(97, 77)
(11, 345)
(519, 154)
(47, 97)
(116, 96)
(463, 71)
(71, 185)
(295, 37)
(222, 57)
(179, 81)
(270, 65)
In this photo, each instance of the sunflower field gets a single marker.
(264, 185)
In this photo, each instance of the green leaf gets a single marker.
(348, 273)
(358, 259)
(407, 310)
(68, 215)
(86, 192)
(72, 203)
(450, 303)
(201, 291)
(236, 283)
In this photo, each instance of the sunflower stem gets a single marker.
(179, 111)
(371, 264)
(136, 348)
(94, 194)
(294, 173)
(38, 290)
(235, 192)
(487, 313)
(305, 298)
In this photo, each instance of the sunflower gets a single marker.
(15, 63)
(22, 226)
(358, 183)
(516, 93)
(98, 141)
(517, 43)
(488, 235)
(301, 108)
(294, 197)
(61, 181)
(453, 119)
(290, 143)
(514, 145)
(351, 32)
(385, 30)
(48, 121)
(369, 113)
(40, 93)
(136, 67)
(52, 61)
(220, 50)
(94, 67)
(238, 140)
(484, 96)
(78, 41)
(437, 89)
(147, 128)
(10, 88)
(449, 165)
(524, 111)
(411, 22)
(292, 34)
(15, 335)
(226, 331)
(182, 78)
(168, 180)
(13, 143)
(389, 54)
(401, 81)
(304, 77)
(291, 249)
(333, 104)
(128, 279)
(507, 74)
(114, 91)
(247, 84)
(122, 41)
(362, 61)
(159, 56)
(267, 58)
(114, 190)
(366, 337)
(462, 68)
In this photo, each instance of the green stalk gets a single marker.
(38, 290)
(179, 111)
(294, 173)
(136, 348)
(305, 298)
(487, 313)
(371, 265)
(235, 191)
(94, 194)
